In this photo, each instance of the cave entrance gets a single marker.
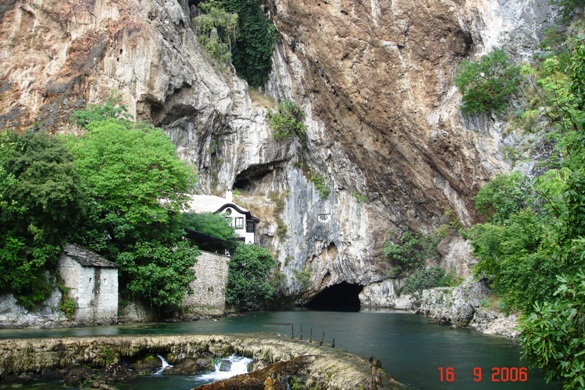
(339, 297)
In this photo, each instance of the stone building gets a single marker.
(93, 285)
(208, 298)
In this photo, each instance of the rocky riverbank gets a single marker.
(105, 361)
(466, 306)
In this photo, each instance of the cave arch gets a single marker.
(343, 296)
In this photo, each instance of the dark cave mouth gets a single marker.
(339, 297)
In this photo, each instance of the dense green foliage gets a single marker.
(40, 204)
(238, 30)
(411, 251)
(252, 53)
(216, 30)
(488, 84)
(249, 286)
(532, 245)
(426, 278)
(214, 225)
(504, 196)
(553, 334)
(136, 187)
(288, 122)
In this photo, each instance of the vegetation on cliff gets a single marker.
(240, 32)
(532, 241)
(488, 84)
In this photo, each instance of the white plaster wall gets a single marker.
(107, 299)
(208, 296)
(86, 295)
(94, 291)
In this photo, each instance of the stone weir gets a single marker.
(278, 361)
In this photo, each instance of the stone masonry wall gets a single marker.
(94, 291)
(208, 298)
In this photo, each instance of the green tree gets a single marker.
(137, 188)
(41, 203)
(504, 196)
(488, 84)
(412, 250)
(216, 30)
(534, 254)
(553, 334)
(252, 53)
(249, 286)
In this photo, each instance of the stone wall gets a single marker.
(208, 298)
(94, 291)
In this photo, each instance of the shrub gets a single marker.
(488, 84)
(287, 122)
(252, 52)
(216, 30)
(504, 196)
(411, 251)
(423, 279)
(321, 185)
(249, 285)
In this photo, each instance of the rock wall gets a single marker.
(208, 298)
(384, 127)
(14, 316)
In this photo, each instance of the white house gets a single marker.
(240, 218)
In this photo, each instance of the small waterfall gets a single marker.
(226, 368)
(165, 364)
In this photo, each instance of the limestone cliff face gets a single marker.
(374, 78)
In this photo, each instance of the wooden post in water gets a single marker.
(322, 337)
(301, 331)
(292, 330)
(333, 345)
(311, 335)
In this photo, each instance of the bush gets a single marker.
(252, 52)
(504, 196)
(488, 84)
(249, 285)
(321, 185)
(423, 279)
(287, 122)
(216, 30)
(412, 251)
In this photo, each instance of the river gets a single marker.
(417, 353)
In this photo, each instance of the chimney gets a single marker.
(228, 196)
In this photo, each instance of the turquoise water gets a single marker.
(412, 350)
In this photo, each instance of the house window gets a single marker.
(250, 227)
(239, 222)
